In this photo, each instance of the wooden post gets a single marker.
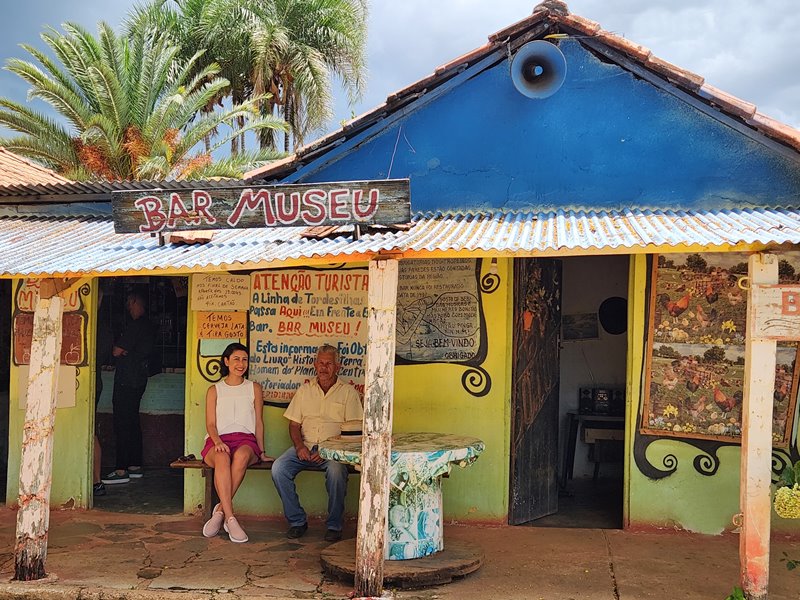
(35, 472)
(377, 444)
(756, 453)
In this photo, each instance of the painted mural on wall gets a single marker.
(695, 357)
(440, 317)
(292, 313)
(73, 328)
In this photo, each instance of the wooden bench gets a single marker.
(209, 493)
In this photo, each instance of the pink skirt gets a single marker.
(233, 440)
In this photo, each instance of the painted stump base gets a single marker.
(457, 560)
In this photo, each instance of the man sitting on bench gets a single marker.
(322, 408)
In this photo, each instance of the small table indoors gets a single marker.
(418, 462)
(598, 430)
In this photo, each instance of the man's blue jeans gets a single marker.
(285, 469)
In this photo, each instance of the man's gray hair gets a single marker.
(328, 349)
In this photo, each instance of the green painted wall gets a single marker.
(427, 398)
(686, 499)
(74, 427)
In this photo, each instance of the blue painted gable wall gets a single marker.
(606, 140)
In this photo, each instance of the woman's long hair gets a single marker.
(224, 370)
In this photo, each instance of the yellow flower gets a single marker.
(728, 326)
(670, 411)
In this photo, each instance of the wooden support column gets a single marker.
(36, 467)
(756, 453)
(377, 438)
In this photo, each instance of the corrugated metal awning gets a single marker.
(39, 246)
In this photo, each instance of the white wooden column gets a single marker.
(36, 467)
(377, 438)
(756, 453)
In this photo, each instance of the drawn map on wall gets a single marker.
(438, 311)
(292, 313)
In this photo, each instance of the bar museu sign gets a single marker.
(383, 202)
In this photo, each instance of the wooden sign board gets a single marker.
(776, 311)
(383, 202)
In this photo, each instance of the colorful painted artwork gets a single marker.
(695, 359)
(418, 461)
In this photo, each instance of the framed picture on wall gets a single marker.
(695, 349)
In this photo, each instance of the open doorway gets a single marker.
(160, 489)
(580, 484)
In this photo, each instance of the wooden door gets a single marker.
(535, 376)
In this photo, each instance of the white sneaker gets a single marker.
(213, 525)
(235, 531)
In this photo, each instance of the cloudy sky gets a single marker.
(744, 47)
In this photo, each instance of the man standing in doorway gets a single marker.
(130, 380)
(322, 408)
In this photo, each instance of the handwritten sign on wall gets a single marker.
(292, 313)
(220, 291)
(221, 325)
(438, 311)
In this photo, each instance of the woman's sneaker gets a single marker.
(235, 531)
(214, 524)
(115, 477)
(135, 472)
(99, 489)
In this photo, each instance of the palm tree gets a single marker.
(132, 109)
(287, 51)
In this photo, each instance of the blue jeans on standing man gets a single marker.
(285, 469)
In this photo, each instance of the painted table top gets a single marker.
(417, 458)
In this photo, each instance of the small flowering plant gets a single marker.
(787, 496)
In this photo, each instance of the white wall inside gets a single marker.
(587, 282)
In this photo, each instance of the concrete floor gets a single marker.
(109, 556)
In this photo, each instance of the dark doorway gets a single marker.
(160, 490)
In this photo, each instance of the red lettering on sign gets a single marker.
(287, 215)
(177, 210)
(251, 202)
(365, 212)
(337, 200)
(314, 213)
(153, 213)
(202, 204)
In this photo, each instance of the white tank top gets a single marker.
(235, 412)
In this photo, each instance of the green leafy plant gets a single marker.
(787, 496)
(791, 563)
(737, 594)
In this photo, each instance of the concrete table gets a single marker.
(418, 462)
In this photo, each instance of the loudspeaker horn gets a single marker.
(538, 69)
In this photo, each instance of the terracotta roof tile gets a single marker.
(674, 73)
(776, 129)
(624, 45)
(15, 170)
(585, 26)
(727, 102)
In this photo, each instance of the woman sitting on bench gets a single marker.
(235, 440)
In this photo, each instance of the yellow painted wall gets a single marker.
(427, 398)
(74, 427)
